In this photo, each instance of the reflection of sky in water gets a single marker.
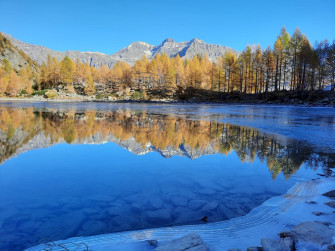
(75, 190)
(85, 189)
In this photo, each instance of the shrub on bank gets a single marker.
(51, 94)
(39, 92)
(136, 95)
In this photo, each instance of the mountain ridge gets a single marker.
(16, 57)
(129, 54)
(21, 143)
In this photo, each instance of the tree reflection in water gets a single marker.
(166, 134)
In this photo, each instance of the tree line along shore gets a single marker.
(291, 71)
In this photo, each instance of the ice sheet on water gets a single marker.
(315, 125)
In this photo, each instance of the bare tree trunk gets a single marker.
(256, 79)
(313, 79)
(212, 82)
(219, 77)
(276, 76)
(228, 79)
(280, 64)
(225, 79)
(241, 79)
(294, 69)
(284, 75)
(303, 77)
(245, 80)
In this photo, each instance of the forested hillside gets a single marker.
(292, 63)
(18, 72)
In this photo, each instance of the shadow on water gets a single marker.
(78, 173)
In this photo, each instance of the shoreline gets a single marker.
(178, 102)
(302, 203)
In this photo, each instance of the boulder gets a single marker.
(315, 232)
(153, 243)
(285, 244)
(190, 242)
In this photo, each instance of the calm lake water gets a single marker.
(82, 169)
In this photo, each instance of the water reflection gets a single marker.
(67, 173)
(140, 132)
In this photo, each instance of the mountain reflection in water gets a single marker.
(140, 132)
(66, 173)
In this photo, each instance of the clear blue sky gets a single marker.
(108, 26)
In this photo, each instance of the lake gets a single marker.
(81, 169)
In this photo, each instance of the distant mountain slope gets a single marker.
(16, 57)
(40, 53)
(129, 54)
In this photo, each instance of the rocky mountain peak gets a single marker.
(196, 40)
(167, 40)
(139, 44)
(129, 54)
